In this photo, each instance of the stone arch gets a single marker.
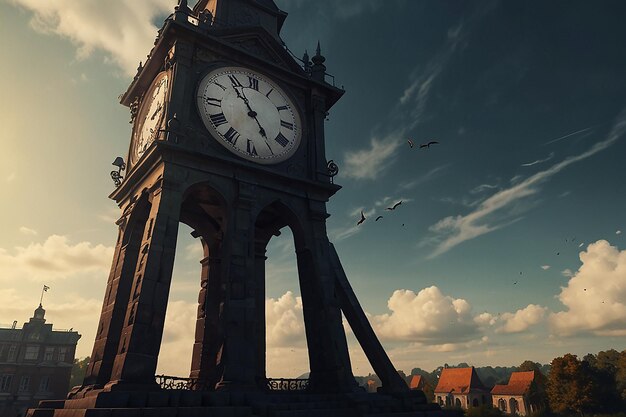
(457, 402)
(513, 406)
(475, 402)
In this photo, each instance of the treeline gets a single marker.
(594, 385)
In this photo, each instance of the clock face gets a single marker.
(249, 115)
(150, 117)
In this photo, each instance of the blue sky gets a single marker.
(507, 245)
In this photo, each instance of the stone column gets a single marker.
(328, 349)
(259, 274)
(239, 358)
(209, 335)
(132, 225)
(138, 351)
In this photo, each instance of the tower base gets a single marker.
(179, 403)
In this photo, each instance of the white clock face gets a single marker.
(249, 114)
(150, 117)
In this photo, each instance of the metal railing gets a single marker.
(195, 384)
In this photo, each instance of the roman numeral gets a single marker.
(251, 149)
(254, 83)
(269, 92)
(282, 108)
(286, 124)
(232, 135)
(218, 119)
(282, 141)
(219, 85)
(234, 81)
(213, 101)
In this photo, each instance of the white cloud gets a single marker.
(178, 338)
(28, 231)
(483, 187)
(619, 232)
(567, 272)
(370, 163)
(595, 297)
(454, 230)
(522, 319)
(539, 161)
(121, 29)
(545, 267)
(54, 259)
(485, 319)
(285, 323)
(427, 317)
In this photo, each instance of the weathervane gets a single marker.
(44, 289)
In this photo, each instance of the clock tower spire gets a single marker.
(242, 13)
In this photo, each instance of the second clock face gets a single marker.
(149, 117)
(249, 114)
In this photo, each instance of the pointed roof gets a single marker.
(519, 384)
(459, 381)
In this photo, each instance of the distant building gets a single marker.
(521, 396)
(461, 388)
(417, 382)
(35, 364)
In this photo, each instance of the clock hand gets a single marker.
(158, 109)
(252, 114)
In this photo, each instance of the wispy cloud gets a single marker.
(483, 187)
(545, 267)
(121, 29)
(28, 231)
(539, 161)
(369, 163)
(560, 138)
(454, 230)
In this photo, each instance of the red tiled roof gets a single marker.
(416, 382)
(519, 384)
(458, 380)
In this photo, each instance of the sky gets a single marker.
(507, 246)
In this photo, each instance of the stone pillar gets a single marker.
(132, 225)
(328, 349)
(209, 334)
(259, 274)
(239, 358)
(140, 342)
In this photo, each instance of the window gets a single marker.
(47, 356)
(32, 353)
(62, 352)
(24, 383)
(5, 382)
(12, 353)
(44, 383)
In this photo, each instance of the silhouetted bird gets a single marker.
(378, 218)
(362, 219)
(395, 205)
(427, 145)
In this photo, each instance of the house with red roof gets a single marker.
(521, 396)
(461, 388)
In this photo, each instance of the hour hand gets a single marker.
(158, 109)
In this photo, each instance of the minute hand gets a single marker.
(253, 114)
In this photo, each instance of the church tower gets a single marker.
(228, 138)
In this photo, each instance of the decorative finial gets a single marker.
(318, 59)
(306, 61)
(182, 4)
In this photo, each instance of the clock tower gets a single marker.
(228, 138)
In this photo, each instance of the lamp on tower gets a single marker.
(117, 175)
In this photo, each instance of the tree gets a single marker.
(570, 387)
(78, 371)
(620, 375)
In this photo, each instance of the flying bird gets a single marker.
(427, 145)
(362, 218)
(410, 142)
(378, 218)
(394, 206)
